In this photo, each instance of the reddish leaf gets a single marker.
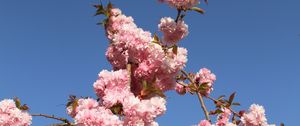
(231, 97)
(24, 107)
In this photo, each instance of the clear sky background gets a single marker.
(50, 49)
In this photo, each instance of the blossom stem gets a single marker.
(129, 73)
(66, 121)
(181, 83)
(199, 96)
(178, 15)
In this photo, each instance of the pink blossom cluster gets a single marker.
(150, 61)
(206, 79)
(113, 88)
(150, 64)
(181, 4)
(172, 31)
(90, 113)
(207, 123)
(255, 116)
(10, 115)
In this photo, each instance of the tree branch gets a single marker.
(200, 98)
(182, 83)
(66, 121)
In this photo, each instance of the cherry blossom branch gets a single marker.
(199, 96)
(66, 121)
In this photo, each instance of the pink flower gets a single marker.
(180, 89)
(112, 87)
(205, 78)
(10, 115)
(181, 4)
(115, 12)
(118, 58)
(223, 118)
(99, 116)
(89, 113)
(143, 112)
(151, 63)
(172, 31)
(255, 117)
(204, 123)
(82, 104)
(172, 64)
(117, 80)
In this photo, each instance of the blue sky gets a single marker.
(51, 49)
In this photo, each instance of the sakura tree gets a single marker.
(145, 66)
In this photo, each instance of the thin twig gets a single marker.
(129, 73)
(178, 15)
(182, 83)
(199, 96)
(53, 117)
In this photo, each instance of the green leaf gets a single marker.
(145, 85)
(203, 87)
(159, 92)
(218, 111)
(197, 9)
(100, 10)
(175, 49)
(75, 104)
(17, 102)
(155, 39)
(117, 109)
(192, 88)
(231, 97)
(109, 6)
